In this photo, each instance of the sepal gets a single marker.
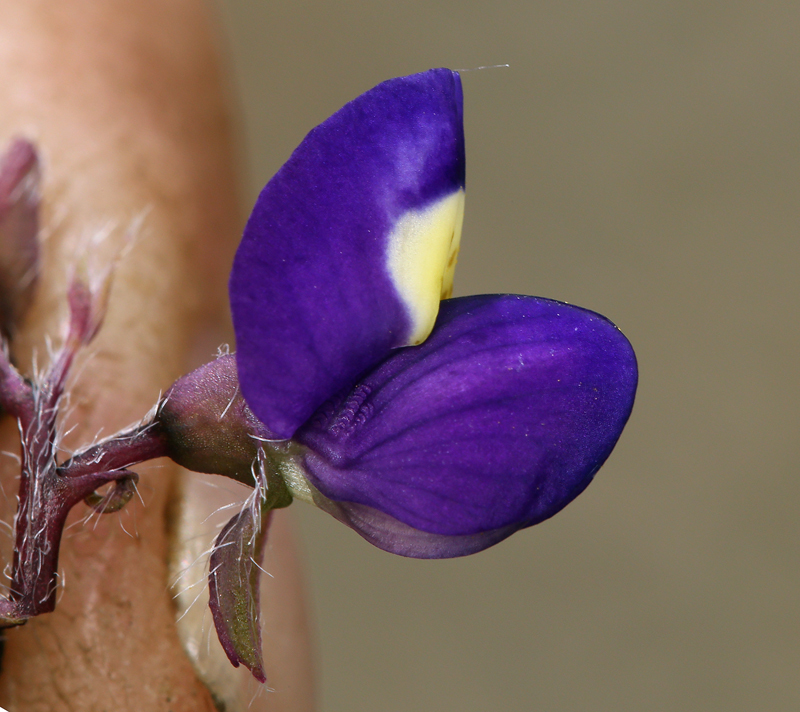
(235, 572)
(206, 424)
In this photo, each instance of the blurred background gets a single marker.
(641, 159)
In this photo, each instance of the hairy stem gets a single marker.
(138, 444)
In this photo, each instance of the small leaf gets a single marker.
(233, 584)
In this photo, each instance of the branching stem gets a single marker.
(48, 492)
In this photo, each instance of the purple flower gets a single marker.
(433, 432)
(428, 445)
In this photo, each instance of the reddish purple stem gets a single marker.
(47, 492)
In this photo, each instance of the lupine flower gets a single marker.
(432, 428)
(494, 423)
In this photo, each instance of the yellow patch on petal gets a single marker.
(422, 254)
